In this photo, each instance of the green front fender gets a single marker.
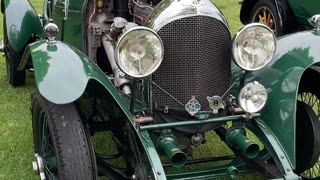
(62, 72)
(22, 22)
(295, 54)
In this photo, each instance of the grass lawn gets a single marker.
(16, 144)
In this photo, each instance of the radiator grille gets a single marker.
(197, 61)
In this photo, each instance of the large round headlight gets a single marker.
(254, 46)
(139, 52)
(253, 97)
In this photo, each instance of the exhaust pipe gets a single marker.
(237, 138)
(119, 78)
(168, 146)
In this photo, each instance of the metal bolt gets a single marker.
(159, 173)
(288, 169)
(282, 156)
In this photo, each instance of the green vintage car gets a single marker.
(282, 16)
(135, 89)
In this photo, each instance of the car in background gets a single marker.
(282, 16)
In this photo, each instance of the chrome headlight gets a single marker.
(253, 97)
(254, 46)
(139, 52)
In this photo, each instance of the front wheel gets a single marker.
(15, 77)
(308, 126)
(61, 145)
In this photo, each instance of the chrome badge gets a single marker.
(193, 106)
(215, 103)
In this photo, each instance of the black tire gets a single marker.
(60, 139)
(14, 77)
(268, 7)
(308, 133)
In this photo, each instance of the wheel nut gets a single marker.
(35, 168)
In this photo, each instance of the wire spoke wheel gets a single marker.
(308, 125)
(47, 151)
(62, 149)
(266, 17)
(265, 12)
(309, 98)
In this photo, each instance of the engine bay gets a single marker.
(105, 21)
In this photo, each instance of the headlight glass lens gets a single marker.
(139, 52)
(253, 97)
(254, 46)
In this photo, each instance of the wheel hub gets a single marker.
(38, 167)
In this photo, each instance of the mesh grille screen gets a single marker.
(197, 61)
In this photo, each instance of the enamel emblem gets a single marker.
(215, 103)
(193, 106)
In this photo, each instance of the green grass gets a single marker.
(231, 10)
(16, 144)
